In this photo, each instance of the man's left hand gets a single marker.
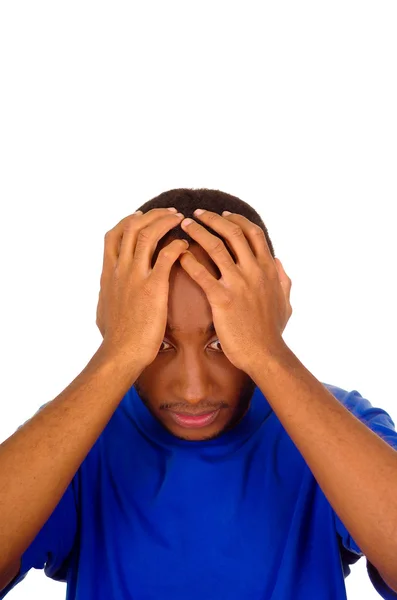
(250, 302)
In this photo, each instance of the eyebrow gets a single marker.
(204, 330)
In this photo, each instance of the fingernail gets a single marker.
(187, 221)
(172, 209)
(225, 213)
(138, 212)
(199, 211)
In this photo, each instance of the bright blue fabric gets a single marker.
(148, 516)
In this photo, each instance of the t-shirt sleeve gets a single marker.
(381, 423)
(51, 547)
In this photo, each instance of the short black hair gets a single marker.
(186, 200)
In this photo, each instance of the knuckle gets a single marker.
(143, 235)
(146, 290)
(129, 223)
(124, 223)
(129, 226)
(211, 217)
(256, 230)
(199, 274)
(227, 299)
(218, 246)
(237, 231)
(170, 249)
(261, 277)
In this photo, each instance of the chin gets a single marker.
(197, 435)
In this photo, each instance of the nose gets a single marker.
(193, 379)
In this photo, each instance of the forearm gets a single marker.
(39, 460)
(354, 467)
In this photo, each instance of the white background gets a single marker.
(289, 105)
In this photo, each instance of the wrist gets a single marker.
(124, 364)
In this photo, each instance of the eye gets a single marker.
(165, 350)
(217, 341)
(163, 342)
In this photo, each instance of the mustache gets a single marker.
(196, 410)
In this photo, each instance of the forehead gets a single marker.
(188, 306)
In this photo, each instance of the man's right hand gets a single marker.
(133, 297)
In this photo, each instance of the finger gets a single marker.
(166, 258)
(114, 236)
(139, 243)
(200, 275)
(232, 233)
(116, 233)
(256, 238)
(211, 243)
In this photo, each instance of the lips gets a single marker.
(194, 421)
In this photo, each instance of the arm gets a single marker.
(41, 458)
(355, 468)
(250, 304)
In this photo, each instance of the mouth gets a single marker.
(194, 421)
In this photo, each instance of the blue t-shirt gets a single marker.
(149, 516)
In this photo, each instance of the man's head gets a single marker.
(191, 376)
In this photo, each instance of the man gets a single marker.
(195, 456)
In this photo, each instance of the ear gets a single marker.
(285, 281)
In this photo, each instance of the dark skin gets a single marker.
(190, 372)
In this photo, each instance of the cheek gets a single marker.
(145, 392)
